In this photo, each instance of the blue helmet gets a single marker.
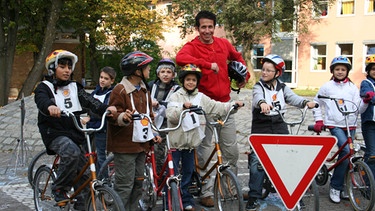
(340, 60)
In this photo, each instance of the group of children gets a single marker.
(164, 99)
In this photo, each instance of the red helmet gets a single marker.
(134, 61)
(277, 61)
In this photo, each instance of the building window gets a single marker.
(369, 50)
(369, 7)
(346, 7)
(346, 49)
(319, 57)
(322, 9)
(256, 58)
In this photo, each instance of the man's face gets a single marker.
(206, 30)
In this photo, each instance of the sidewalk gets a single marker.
(16, 194)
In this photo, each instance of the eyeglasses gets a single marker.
(268, 71)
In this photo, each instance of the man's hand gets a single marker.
(215, 67)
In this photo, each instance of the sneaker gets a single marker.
(60, 196)
(251, 204)
(334, 195)
(207, 201)
(189, 208)
(344, 195)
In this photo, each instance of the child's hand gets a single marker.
(265, 108)
(112, 111)
(187, 105)
(128, 116)
(85, 119)
(240, 103)
(155, 103)
(157, 139)
(312, 104)
(54, 111)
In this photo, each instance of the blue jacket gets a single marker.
(368, 114)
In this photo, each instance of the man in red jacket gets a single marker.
(211, 55)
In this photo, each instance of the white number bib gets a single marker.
(142, 131)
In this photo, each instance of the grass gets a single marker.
(305, 92)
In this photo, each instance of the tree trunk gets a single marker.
(50, 34)
(9, 20)
(94, 70)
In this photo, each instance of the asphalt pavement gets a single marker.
(18, 139)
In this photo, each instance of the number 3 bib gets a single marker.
(142, 131)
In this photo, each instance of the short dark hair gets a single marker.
(204, 14)
(110, 71)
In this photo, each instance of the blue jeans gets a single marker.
(368, 132)
(337, 180)
(100, 145)
(186, 157)
(256, 177)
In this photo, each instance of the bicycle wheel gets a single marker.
(360, 186)
(310, 200)
(227, 192)
(175, 197)
(39, 159)
(105, 199)
(107, 171)
(149, 197)
(43, 198)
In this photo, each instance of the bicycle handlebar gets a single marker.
(340, 105)
(219, 120)
(76, 124)
(303, 115)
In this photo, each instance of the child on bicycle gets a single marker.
(339, 86)
(161, 90)
(367, 90)
(186, 138)
(128, 139)
(60, 136)
(102, 91)
(269, 93)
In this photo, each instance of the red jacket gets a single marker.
(216, 86)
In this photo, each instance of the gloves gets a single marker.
(369, 96)
(318, 126)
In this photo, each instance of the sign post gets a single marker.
(291, 161)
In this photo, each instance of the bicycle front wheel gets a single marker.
(149, 197)
(228, 192)
(105, 199)
(38, 160)
(175, 202)
(43, 198)
(310, 200)
(360, 186)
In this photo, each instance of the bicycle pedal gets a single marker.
(62, 203)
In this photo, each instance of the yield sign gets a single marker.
(291, 161)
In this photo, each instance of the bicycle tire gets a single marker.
(360, 186)
(149, 197)
(175, 197)
(310, 199)
(39, 159)
(107, 171)
(228, 192)
(106, 198)
(43, 197)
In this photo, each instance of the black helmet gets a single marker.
(237, 71)
(134, 61)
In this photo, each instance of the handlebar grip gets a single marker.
(310, 127)
(136, 116)
(316, 105)
(324, 97)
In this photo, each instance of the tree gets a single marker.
(46, 47)
(9, 14)
(246, 22)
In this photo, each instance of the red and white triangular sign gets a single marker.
(291, 161)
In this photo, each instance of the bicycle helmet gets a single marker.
(187, 69)
(165, 63)
(369, 62)
(237, 71)
(277, 61)
(133, 61)
(53, 59)
(340, 60)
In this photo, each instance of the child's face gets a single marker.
(63, 72)
(105, 80)
(268, 71)
(146, 72)
(371, 73)
(166, 75)
(190, 82)
(340, 72)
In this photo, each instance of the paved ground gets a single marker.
(16, 194)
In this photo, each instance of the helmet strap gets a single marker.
(345, 80)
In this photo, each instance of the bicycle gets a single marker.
(227, 189)
(359, 180)
(154, 182)
(310, 199)
(101, 197)
(39, 159)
